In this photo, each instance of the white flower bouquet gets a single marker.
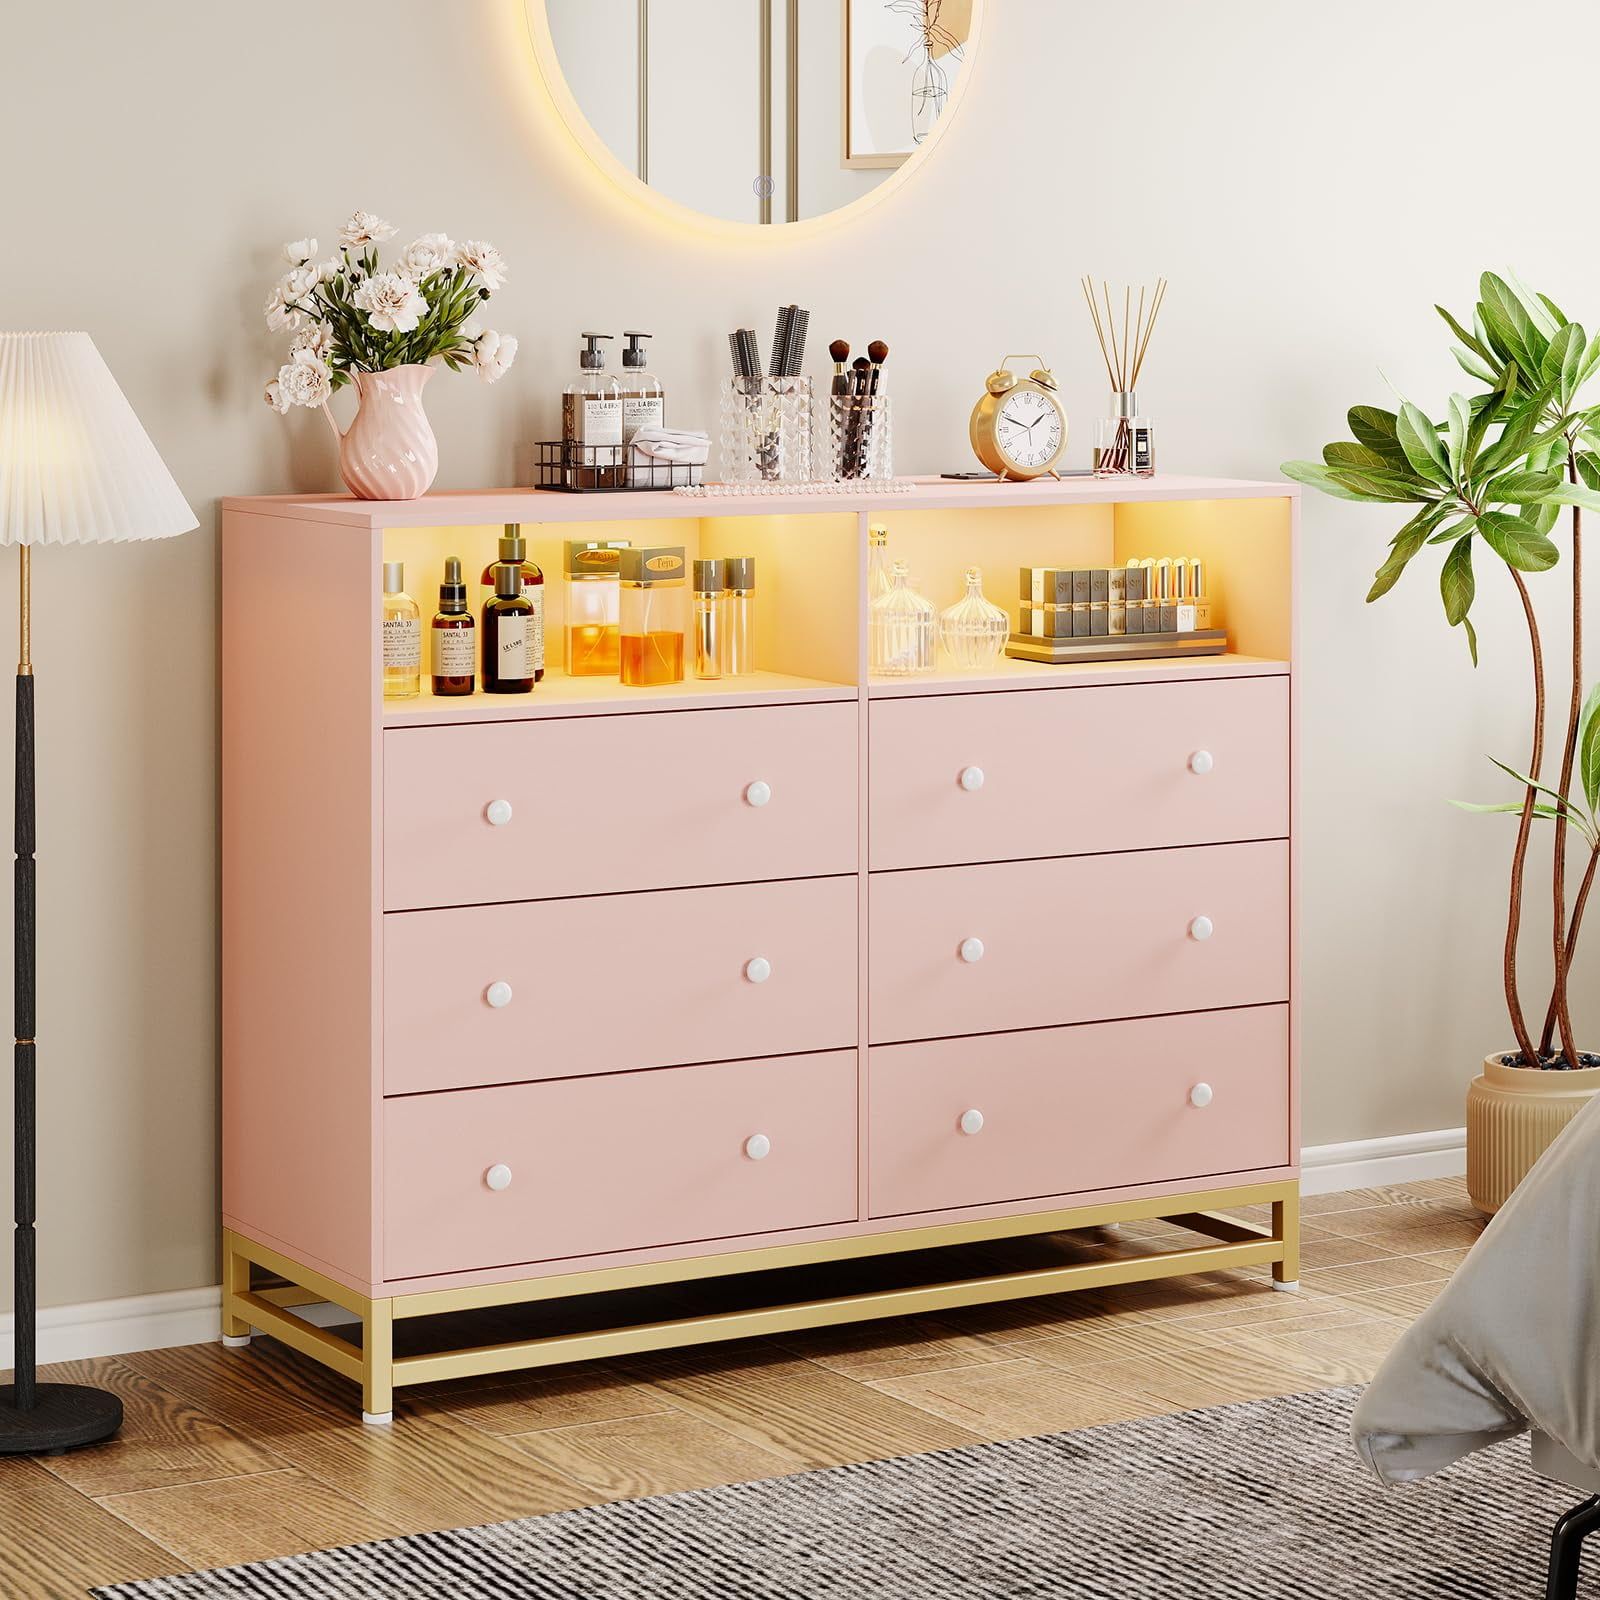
(349, 315)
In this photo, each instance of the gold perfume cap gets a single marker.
(739, 572)
(708, 577)
(878, 535)
(651, 565)
(593, 558)
(394, 577)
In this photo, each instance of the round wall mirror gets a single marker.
(760, 111)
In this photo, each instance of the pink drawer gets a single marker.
(1072, 771)
(1068, 1110)
(594, 805)
(557, 988)
(1026, 944)
(592, 1165)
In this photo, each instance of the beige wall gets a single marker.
(1311, 178)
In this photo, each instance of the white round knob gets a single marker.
(1201, 762)
(971, 778)
(758, 969)
(1202, 928)
(971, 1121)
(498, 1177)
(757, 793)
(758, 1147)
(498, 812)
(1200, 1095)
(971, 950)
(498, 994)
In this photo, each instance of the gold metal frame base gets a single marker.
(373, 1364)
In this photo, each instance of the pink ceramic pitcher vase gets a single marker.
(388, 452)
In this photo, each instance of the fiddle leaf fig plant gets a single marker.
(1491, 478)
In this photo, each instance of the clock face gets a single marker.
(1028, 430)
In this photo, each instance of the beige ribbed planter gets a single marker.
(1513, 1116)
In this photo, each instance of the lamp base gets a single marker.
(64, 1416)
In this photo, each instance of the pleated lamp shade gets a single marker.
(75, 466)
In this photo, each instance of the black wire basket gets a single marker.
(572, 468)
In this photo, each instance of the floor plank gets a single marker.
(55, 1542)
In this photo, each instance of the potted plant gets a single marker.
(1491, 480)
(356, 322)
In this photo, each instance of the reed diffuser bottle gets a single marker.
(1125, 442)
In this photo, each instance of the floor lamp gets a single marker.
(75, 468)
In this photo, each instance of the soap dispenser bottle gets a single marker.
(591, 421)
(644, 401)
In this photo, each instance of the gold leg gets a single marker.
(1286, 1226)
(377, 1362)
(235, 1281)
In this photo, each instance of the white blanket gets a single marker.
(1513, 1341)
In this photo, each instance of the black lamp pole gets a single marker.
(35, 1418)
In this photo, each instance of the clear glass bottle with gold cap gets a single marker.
(974, 630)
(593, 607)
(655, 613)
(739, 616)
(402, 636)
(880, 578)
(710, 637)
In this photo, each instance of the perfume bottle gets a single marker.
(653, 615)
(900, 629)
(739, 616)
(514, 550)
(508, 635)
(710, 639)
(402, 636)
(591, 421)
(454, 636)
(592, 606)
(973, 631)
(879, 579)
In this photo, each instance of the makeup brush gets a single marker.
(857, 380)
(840, 351)
(877, 353)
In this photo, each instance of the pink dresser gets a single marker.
(527, 998)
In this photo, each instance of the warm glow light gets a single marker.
(597, 155)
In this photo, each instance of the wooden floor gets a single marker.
(230, 1456)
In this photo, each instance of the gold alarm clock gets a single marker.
(1019, 427)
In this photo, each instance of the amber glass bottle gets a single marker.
(514, 549)
(508, 635)
(454, 637)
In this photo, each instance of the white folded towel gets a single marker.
(679, 445)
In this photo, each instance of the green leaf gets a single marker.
(1589, 749)
(1316, 476)
(1403, 547)
(1531, 783)
(1508, 806)
(1374, 485)
(1591, 360)
(1474, 366)
(1522, 488)
(1472, 638)
(1362, 458)
(1455, 530)
(1511, 329)
(1514, 439)
(1375, 428)
(1420, 442)
(1460, 421)
(1518, 543)
(1574, 494)
(1471, 341)
(1456, 583)
(1561, 362)
(1589, 470)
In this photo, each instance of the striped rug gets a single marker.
(1263, 1501)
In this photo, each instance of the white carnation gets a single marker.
(433, 252)
(493, 355)
(304, 383)
(481, 258)
(312, 344)
(299, 251)
(288, 304)
(364, 228)
(276, 398)
(393, 303)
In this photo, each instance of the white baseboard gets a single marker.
(194, 1316)
(1401, 1158)
(142, 1322)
